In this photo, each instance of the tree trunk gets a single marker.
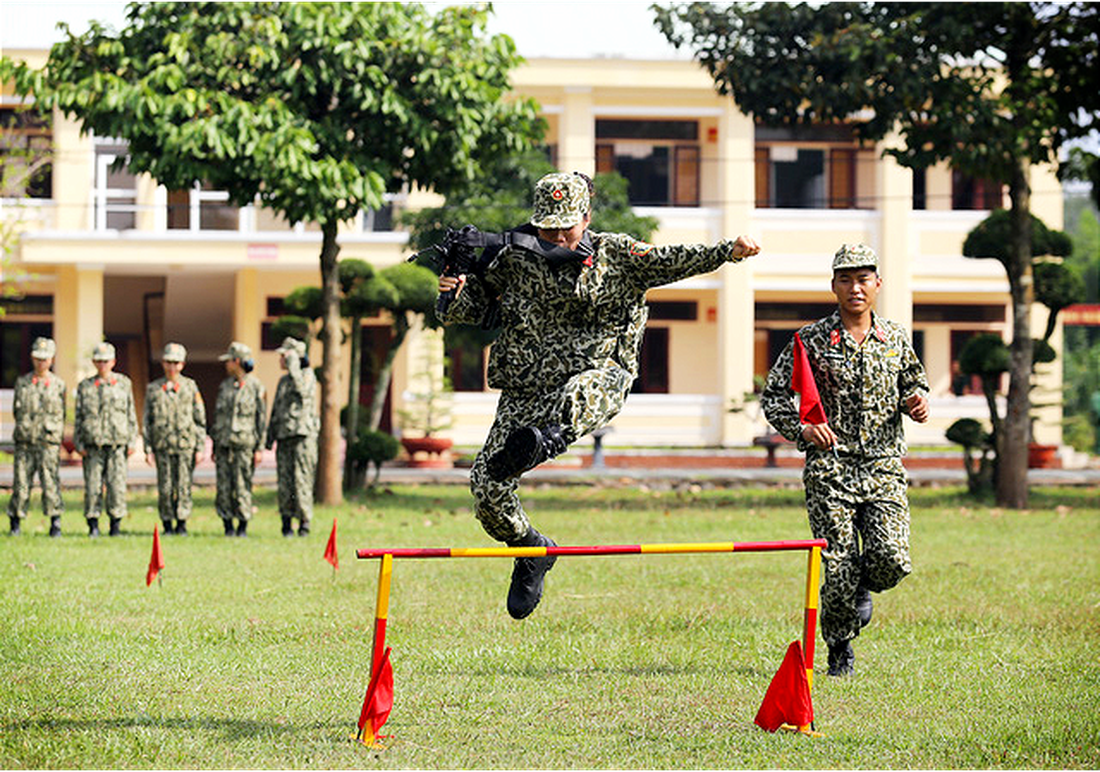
(351, 430)
(328, 446)
(385, 369)
(1012, 485)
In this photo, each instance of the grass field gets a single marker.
(252, 654)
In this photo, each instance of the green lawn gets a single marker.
(251, 654)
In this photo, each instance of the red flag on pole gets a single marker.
(330, 548)
(378, 701)
(787, 700)
(156, 560)
(810, 410)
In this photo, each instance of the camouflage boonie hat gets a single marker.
(43, 348)
(236, 350)
(561, 201)
(855, 256)
(174, 352)
(292, 346)
(103, 352)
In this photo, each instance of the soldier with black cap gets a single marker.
(174, 426)
(105, 435)
(294, 426)
(573, 312)
(867, 375)
(38, 407)
(239, 420)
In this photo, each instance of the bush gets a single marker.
(371, 447)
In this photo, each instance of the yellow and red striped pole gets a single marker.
(809, 625)
(378, 649)
(597, 549)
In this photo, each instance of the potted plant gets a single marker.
(428, 411)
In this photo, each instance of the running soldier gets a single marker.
(294, 426)
(39, 411)
(867, 375)
(572, 310)
(174, 424)
(105, 435)
(239, 420)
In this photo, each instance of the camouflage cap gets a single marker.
(43, 348)
(292, 346)
(236, 350)
(561, 201)
(174, 352)
(103, 352)
(855, 256)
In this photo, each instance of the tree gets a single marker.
(993, 88)
(316, 110)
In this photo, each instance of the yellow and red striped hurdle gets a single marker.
(386, 556)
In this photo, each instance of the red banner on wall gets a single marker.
(1082, 315)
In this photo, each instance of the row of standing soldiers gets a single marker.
(174, 433)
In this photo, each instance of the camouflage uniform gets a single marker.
(174, 426)
(239, 420)
(39, 412)
(105, 431)
(858, 494)
(294, 426)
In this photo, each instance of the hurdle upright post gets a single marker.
(381, 611)
(809, 624)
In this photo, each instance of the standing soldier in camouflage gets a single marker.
(239, 419)
(174, 427)
(105, 435)
(867, 374)
(572, 310)
(39, 412)
(294, 426)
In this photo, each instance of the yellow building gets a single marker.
(109, 255)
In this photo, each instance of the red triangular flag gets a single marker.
(378, 701)
(787, 700)
(330, 548)
(810, 410)
(156, 560)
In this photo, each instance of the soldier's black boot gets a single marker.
(166, 528)
(303, 528)
(15, 527)
(242, 528)
(93, 527)
(864, 606)
(116, 526)
(528, 575)
(288, 527)
(229, 529)
(181, 527)
(842, 660)
(525, 449)
(55, 526)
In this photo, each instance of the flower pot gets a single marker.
(428, 452)
(1041, 456)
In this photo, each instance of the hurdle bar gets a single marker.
(386, 556)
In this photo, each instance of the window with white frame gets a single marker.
(114, 197)
(202, 209)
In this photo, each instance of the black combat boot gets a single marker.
(166, 528)
(303, 528)
(181, 527)
(864, 606)
(242, 528)
(229, 529)
(93, 527)
(55, 526)
(842, 660)
(528, 574)
(116, 526)
(15, 527)
(288, 527)
(525, 449)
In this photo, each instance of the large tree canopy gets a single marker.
(314, 109)
(993, 88)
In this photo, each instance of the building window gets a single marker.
(661, 160)
(202, 208)
(920, 189)
(807, 168)
(26, 139)
(653, 363)
(973, 193)
(21, 321)
(674, 310)
(115, 192)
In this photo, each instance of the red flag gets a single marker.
(378, 701)
(330, 548)
(156, 560)
(787, 700)
(810, 410)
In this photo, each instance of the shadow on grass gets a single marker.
(227, 728)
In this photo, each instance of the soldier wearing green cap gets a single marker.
(294, 426)
(105, 435)
(867, 375)
(239, 420)
(174, 431)
(572, 310)
(39, 411)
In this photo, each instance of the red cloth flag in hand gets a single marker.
(810, 410)
(330, 548)
(378, 701)
(787, 700)
(156, 560)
